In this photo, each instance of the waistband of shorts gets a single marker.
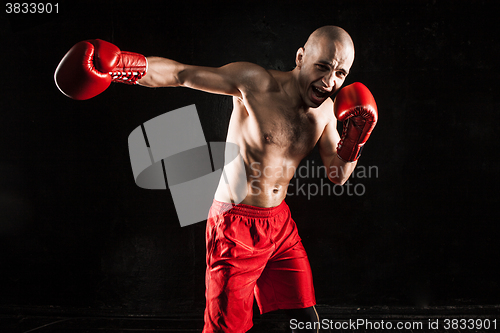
(248, 210)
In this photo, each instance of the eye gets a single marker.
(322, 68)
(341, 74)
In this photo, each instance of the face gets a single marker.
(323, 68)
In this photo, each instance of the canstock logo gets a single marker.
(170, 151)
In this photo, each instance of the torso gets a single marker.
(274, 134)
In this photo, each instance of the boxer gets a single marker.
(253, 248)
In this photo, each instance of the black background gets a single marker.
(76, 232)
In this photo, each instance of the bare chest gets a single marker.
(267, 123)
(293, 131)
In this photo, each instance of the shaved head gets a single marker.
(323, 63)
(329, 34)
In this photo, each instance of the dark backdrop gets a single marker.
(76, 232)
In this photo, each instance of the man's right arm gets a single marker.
(90, 66)
(231, 79)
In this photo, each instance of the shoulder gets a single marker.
(326, 111)
(253, 77)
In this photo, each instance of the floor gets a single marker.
(467, 319)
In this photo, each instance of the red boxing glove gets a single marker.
(355, 106)
(90, 66)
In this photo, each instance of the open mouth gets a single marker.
(319, 94)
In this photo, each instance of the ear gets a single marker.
(299, 58)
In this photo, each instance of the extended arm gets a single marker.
(89, 67)
(226, 80)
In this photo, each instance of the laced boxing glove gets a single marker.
(356, 108)
(90, 66)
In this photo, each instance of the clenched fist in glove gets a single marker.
(90, 66)
(356, 108)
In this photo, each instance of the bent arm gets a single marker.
(339, 170)
(226, 80)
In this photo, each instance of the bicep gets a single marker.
(226, 80)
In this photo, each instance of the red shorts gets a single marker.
(253, 251)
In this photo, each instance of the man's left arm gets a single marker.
(338, 171)
(356, 108)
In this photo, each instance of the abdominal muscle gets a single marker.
(268, 162)
(264, 185)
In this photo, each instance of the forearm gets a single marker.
(161, 72)
(339, 170)
(356, 108)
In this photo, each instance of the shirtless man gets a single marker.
(278, 117)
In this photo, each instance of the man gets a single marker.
(253, 248)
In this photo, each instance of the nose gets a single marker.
(329, 79)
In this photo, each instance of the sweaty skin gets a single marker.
(278, 117)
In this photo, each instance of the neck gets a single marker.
(291, 87)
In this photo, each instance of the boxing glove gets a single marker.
(90, 66)
(356, 108)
